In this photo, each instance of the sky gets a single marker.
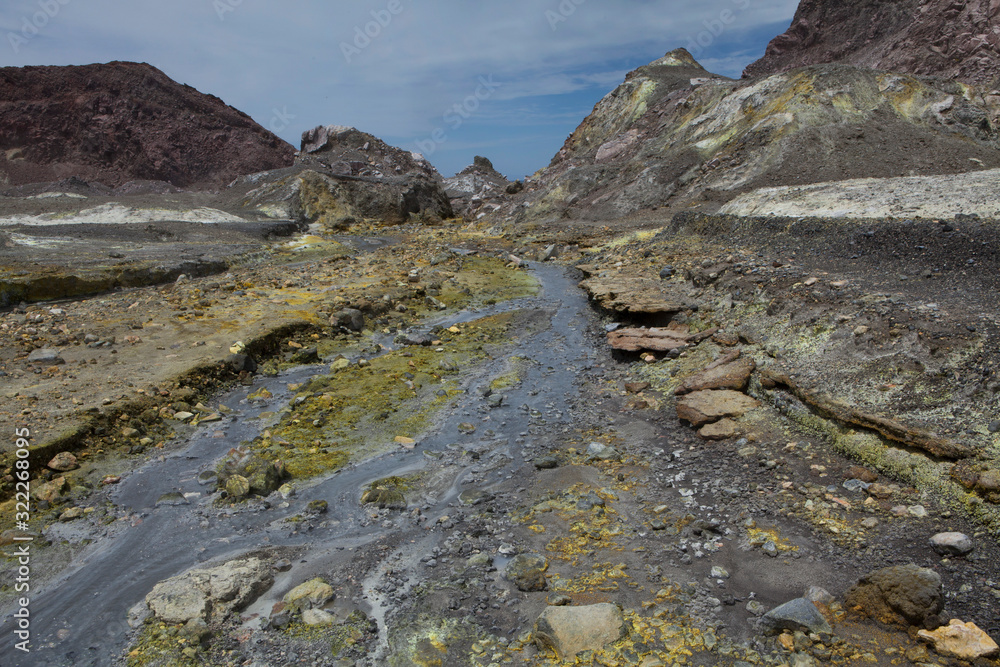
(451, 79)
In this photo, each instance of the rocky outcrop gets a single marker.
(344, 177)
(121, 122)
(955, 40)
(675, 137)
(478, 189)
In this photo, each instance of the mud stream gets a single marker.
(82, 617)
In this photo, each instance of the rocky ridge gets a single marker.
(952, 40)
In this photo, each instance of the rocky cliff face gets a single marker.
(957, 40)
(121, 122)
(674, 136)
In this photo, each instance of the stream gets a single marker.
(81, 618)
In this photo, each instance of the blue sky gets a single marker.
(522, 73)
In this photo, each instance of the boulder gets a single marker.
(210, 594)
(527, 572)
(572, 630)
(703, 407)
(964, 641)
(900, 595)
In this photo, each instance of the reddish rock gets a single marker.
(702, 407)
(119, 122)
(636, 387)
(720, 430)
(955, 40)
(734, 375)
(655, 340)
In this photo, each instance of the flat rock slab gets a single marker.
(654, 339)
(964, 641)
(703, 407)
(572, 630)
(632, 296)
(734, 375)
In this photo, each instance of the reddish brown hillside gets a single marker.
(123, 121)
(957, 39)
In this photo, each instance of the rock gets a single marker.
(546, 462)
(172, 498)
(386, 493)
(312, 594)
(881, 491)
(263, 476)
(952, 544)
(900, 595)
(238, 486)
(964, 641)
(601, 452)
(721, 430)
(46, 356)
(318, 617)
(734, 375)
(183, 415)
(633, 339)
(571, 630)
(636, 387)
(702, 407)
(348, 318)
(631, 297)
(240, 362)
(63, 462)
(50, 491)
(210, 594)
(527, 572)
(71, 514)
(799, 614)
(307, 355)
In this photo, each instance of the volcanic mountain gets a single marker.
(118, 122)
